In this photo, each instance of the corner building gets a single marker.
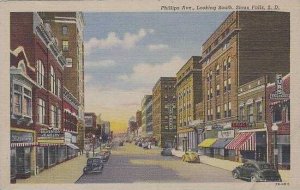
(246, 46)
(164, 111)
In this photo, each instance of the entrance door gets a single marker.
(286, 154)
(261, 153)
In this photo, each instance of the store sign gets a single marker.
(279, 93)
(25, 137)
(171, 110)
(239, 125)
(226, 134)
(50, 133)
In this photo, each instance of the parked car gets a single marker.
(166, 152)
(191, 156)
(256, 171)
(103, 155)
(94, 165)
(121, 143)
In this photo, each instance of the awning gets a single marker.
(207, 143)
(243, 141)
(221, 143)
(23, 144)
(72, 146)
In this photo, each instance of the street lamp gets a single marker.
(100, 142)
(175, 142)
(275, 129)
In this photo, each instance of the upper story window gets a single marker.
(229, 109)
(218, 69)
(218, 90)
(241, 114)
(250, 113)
(225, 110)
(69, 62)
(228, 63)
(225, 65)
(65, 45)
(218, 114)
(277, 114)
(40, 73)
(229, 84)
(58, 88)
(41, 108)
(65, 30)
(22, 100)
(52, 80)
(225, 86)
(259, 111)
(287, 112)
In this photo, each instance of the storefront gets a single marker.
(284, 150)
(22, 153)
(244, 145)
(224, 138)
(206, 147)
(71, 148)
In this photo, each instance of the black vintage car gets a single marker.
(94, 165)
(166, 152)
(256, 171)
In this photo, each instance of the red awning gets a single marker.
(23, 144)
(243, 141)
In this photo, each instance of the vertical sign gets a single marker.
(170, 116)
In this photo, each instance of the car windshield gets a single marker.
(265, 166)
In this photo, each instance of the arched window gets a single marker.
(40, 72)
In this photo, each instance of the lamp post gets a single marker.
(175, 142)
(93, 145)
(100, 142)
(275, 129)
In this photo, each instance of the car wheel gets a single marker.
(235, 175)
(253, 179)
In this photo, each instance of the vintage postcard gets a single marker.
(149, 94)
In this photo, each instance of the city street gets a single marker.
(130, 163)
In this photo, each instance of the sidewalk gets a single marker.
(226, 164)
(66, 172)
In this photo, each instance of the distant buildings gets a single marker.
(147, 124)
(138, 117)
(164, 111)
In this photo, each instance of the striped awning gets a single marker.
(243, 141)
(23, 144)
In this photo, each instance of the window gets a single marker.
(18, 99)
(69, 62)
(41, 111)
(229, 109)
(259, 110)
(207, 76)
(225, 86)
(65, 30)
(22, 100)
(228, 63)
(208, 94)
(218, 90)
(208, 114)
(65, 45)
(229, 84)
(218, 115)
(211, 114)
(58, 88)
(210, 75)
(241, 115)
(224, 65)
(53, 82)
(277, 114)
(287, 112)
(40, 73)
(218, 69)
(250, 113)
(211, 92)
(225, 110)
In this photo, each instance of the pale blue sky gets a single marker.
(126, 53)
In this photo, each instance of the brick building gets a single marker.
(164, 111)
(240, 51)
(278, 121)
(138, 117)
(45, 67)
(68, 29)
(90, 124)
(147, 124)
(188, 93)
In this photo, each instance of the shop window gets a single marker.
(277, 114)
(259, 111)
(40, 72)
(250, 113)
(65, 45)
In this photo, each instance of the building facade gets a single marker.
(188, 93)
(278, 121)
(138, 117)
(68, 28)
(46, 62)
(239, 51)
(164, 112)
(147, 124)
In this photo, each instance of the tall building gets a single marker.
(68, 28)
(164, 111)
(138, 117)
(147, 125)
(36, 97)
(248, 45)
(189, 93)
(239, 51)
(90, 124)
